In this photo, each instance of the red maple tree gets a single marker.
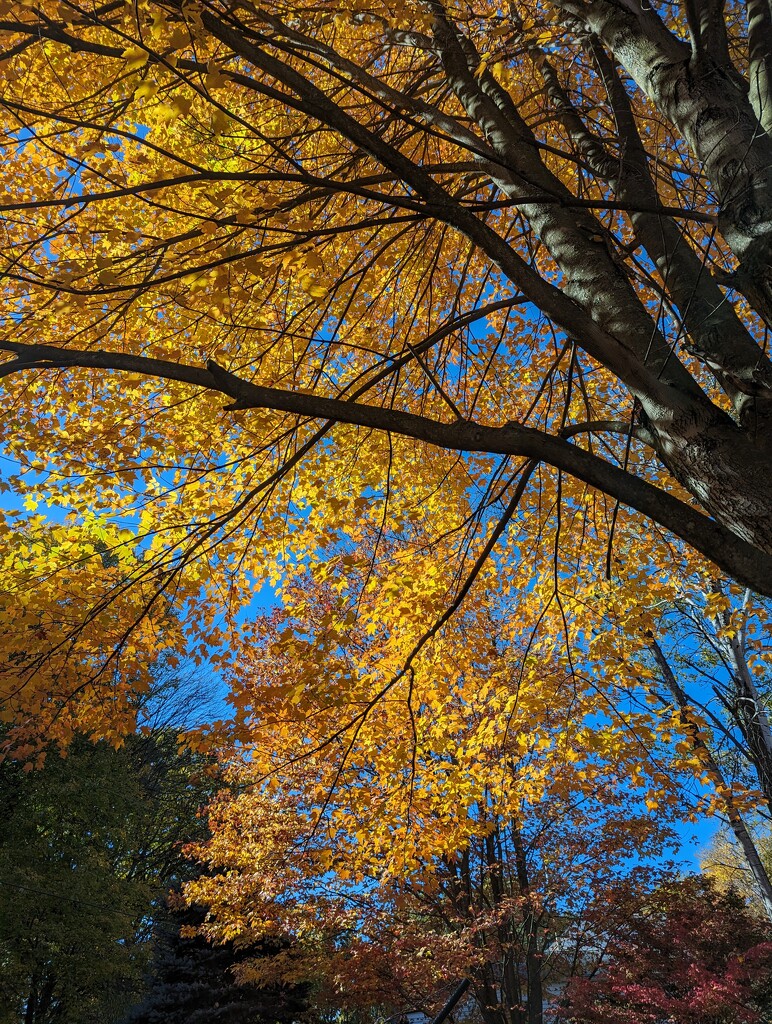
(692, 954)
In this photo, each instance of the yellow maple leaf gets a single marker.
(136, 57)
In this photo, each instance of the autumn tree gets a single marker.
(510, 911)
(726, 668)
(504, 268)
(453, 831)
(702, 658)
(691, 954)
(444, 309)
(724, 862)
(80, 653)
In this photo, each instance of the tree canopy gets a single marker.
(508, 269)
(688, 955)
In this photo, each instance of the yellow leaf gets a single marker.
(220, 121)
(158, 24)
(313, 261)
(311, 286)
(136, 57)
(176, 108)
(180, 37)
(215, 80)
(145, 90)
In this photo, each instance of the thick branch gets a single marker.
(718, 337)
(760, 60)
(733, 555)
(668, 387)
(711, 110)
(576, 240)
(619, 346)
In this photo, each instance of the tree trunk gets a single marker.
(739, 828)
(530, 921)
(717, 462)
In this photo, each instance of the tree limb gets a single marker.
(732, 554)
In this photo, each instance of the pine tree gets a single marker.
(193, 981)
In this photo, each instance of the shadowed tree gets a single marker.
(89, 845)
(690, 954)
(193, 982)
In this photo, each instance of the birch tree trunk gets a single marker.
(736, 822)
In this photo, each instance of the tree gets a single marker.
(724, 863)
(193, 982)
(79, 652)
(705, 661)
(507, 267)
(487, 295)
(465, 819)
(89, 845)
(691, 954)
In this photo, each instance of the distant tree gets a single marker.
(88, 847)
(690, 955)
(195, 982)
(723, 861)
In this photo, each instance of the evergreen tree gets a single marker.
(194, 982)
